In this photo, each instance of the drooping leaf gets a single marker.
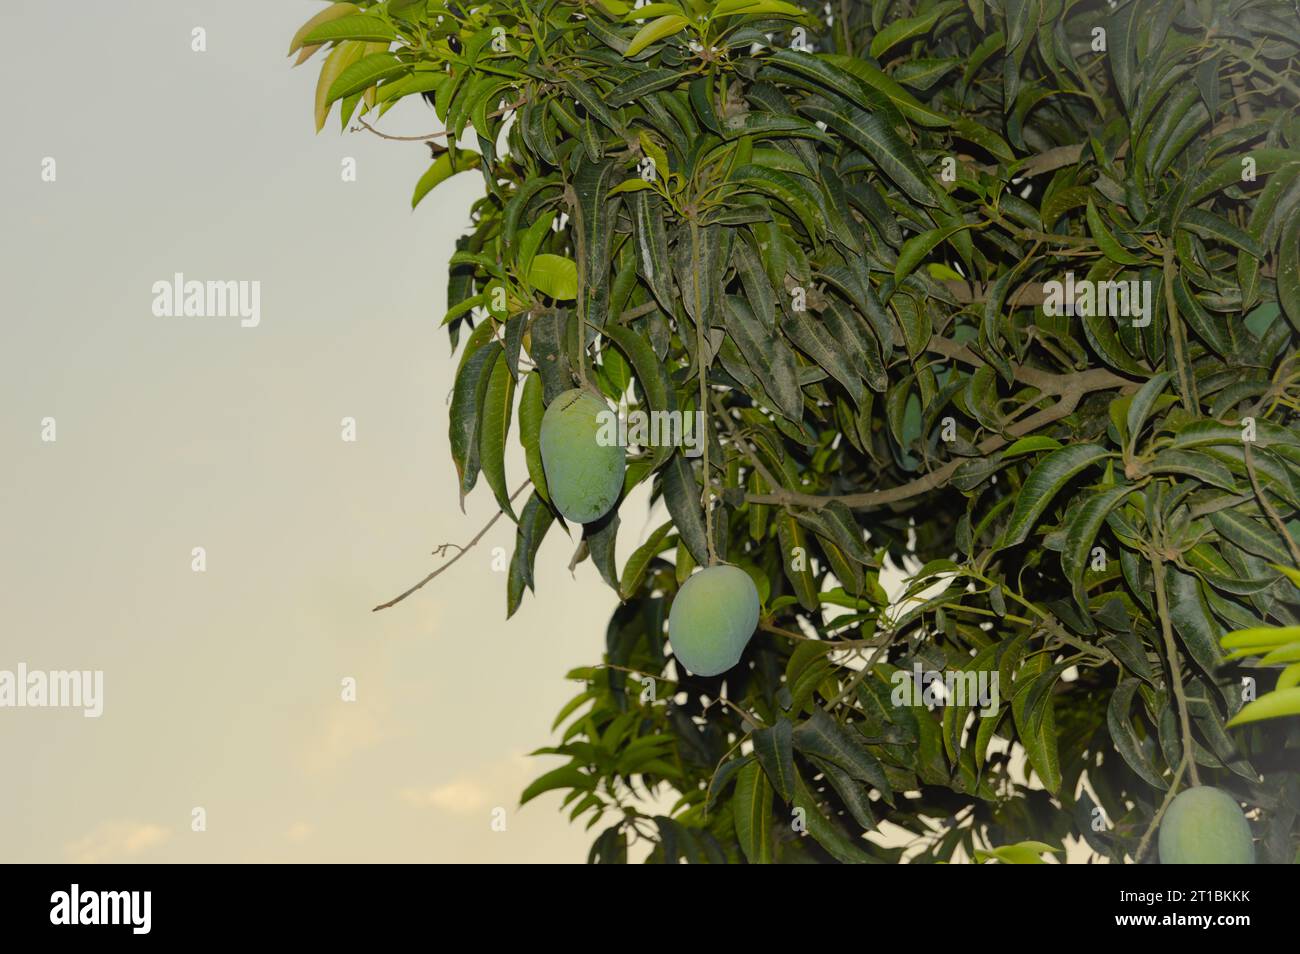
(753, 814)
(1051, 474)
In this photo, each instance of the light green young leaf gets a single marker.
(444, 167)
(656, 30)
(554, 275)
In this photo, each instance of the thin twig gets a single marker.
(1175, 673)
(706, 496)
(936, 478)
(440, 134)
(1268, 507)
(1155, 820)
(752, 720)
(832, 643)
(477, 537)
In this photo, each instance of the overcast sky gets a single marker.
(222, 689)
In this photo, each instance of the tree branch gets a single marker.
(1175, 672)
(463, 550)
(1070, 388)
(441, 133)
(1268, 508)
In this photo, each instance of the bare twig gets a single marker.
(1155, 819)
(832, 643)
(441, 133)
(465, 549)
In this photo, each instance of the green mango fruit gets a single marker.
(713, 616)
(584, 467)
(1205, 826)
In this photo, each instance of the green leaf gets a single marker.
(1030, 445)
(873, 134)
(725, 774)
(642, 84)
(1208, 328)
(566, 776)
(534, 521)
(363, 74)
(775, 751)
(653, 263)
(758, 8)
(1021, 853)
(358, 27)
(1288, 270)
(494, 428)
(766, 354)
(1272, 705)
(340, 58)
(1208, 225)
(649, 376)
(789, 191)
(601, 539)
(467, 398)
(1109, 246)
(636, 565)
(817, 339)
(1192, 620)
(656, 30)
(795, 559)
(916, 248)
(1081, 533)
(1062, 201)
(1251, 535)
(826, 832)
(851, 792)
(1202, 432)
(682, 495)
(531, 409)
(554, 275)
(1143, 402)
(822, 736)
(1192, 463)
(1052, 473)
(983, 137)
(444, 167)
(752, 806)
(855, 77)
(905, 29)
(1125, 736)
(1036, 725)
(332, 12)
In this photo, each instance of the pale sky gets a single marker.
(222, 688)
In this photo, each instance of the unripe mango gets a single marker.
(584, 476)
(713, 616)
(1205, 826)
